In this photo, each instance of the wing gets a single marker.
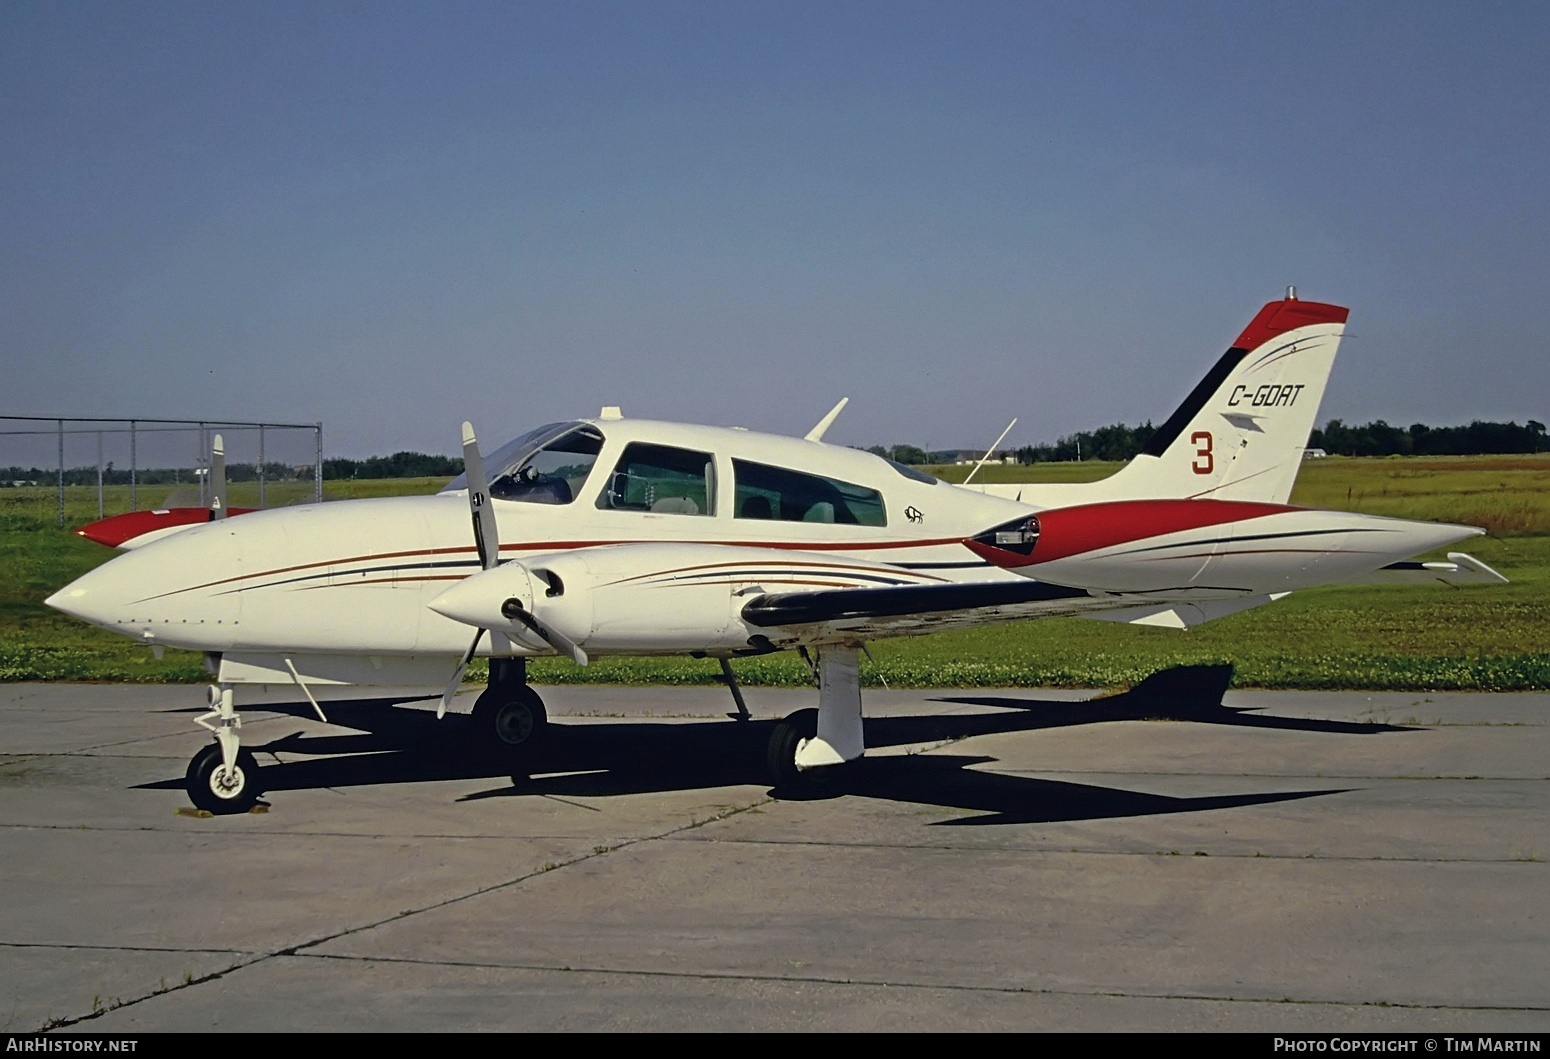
(911, 610)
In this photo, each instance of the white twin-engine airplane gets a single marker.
(616, 536)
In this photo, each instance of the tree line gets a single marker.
(112, 475)
(1378, 438)
(1478, 438)
(398, 465)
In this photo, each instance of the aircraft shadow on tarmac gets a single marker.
(397, 744)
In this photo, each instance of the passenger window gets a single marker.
(764, 492)
(661, 479)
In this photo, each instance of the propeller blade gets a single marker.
(487, 535)
(457, 676)
(217, 478)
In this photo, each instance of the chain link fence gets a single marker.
(93, 468)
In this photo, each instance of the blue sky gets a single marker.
(392, 217)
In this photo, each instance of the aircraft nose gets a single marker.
(170, 592)
(102, 596)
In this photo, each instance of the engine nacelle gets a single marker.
(618, 599)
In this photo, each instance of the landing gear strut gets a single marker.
(223, 778)
(810, 744)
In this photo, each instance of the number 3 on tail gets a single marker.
(1204, 462)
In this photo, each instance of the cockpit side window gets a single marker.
(765, 492)
(663, 480)
(555, 473)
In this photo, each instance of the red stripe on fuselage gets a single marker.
(1068, 531)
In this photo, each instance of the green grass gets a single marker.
(1372, 637)
(1505, 495)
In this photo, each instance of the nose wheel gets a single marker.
(220, 790)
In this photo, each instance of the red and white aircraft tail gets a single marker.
(1240, 434)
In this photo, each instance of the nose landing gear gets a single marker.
(223, 778)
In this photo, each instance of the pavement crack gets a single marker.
(893, 983)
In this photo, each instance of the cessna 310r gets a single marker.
(615, 536)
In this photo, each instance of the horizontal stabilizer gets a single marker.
(1184, 615)
(1459, 569)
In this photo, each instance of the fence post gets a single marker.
(260, 465)
(61, 477)
(317, 463)
(134, 472)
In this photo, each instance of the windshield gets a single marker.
(544, 466)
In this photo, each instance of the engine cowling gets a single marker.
(617, 599)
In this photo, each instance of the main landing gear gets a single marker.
(509, 718)
(806, 747)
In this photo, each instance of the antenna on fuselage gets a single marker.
(992, 449)
(816, 434)
(217, 477)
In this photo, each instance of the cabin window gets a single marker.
(765, 492)
(662, 480)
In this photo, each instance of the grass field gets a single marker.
(1375, 637)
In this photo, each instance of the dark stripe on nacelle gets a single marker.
(801, 608)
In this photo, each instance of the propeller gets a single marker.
(217, 478)
(488, 540)
(493, 601)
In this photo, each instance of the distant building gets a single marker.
(968, 456)
(1314, 454)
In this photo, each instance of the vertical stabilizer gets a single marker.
(1241, 432)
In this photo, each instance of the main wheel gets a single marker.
(212, 788)
(509, 720)
(780, 757)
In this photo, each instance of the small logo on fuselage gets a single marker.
(913, 513)
(1270, 395)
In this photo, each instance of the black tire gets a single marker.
(780, 756)
(509, 721)
(210, 789)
